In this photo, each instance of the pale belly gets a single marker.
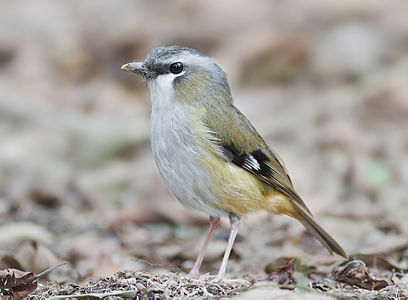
(177, 158)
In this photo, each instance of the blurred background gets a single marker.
(325, 82)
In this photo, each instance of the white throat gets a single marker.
(162, 91)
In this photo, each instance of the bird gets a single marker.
(207, 152)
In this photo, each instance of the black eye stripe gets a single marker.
(160, 69)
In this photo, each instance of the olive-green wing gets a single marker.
(242, 145)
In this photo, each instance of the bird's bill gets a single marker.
(137, 67)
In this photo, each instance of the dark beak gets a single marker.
(137, 67)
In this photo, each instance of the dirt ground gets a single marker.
(325, 83)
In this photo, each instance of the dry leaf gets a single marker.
(16, 282)
(356, 273)
(298, 265)
(284, 274)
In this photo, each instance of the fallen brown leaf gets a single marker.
(298, 265)
(14, 282)
(356, 273)
(284, 274)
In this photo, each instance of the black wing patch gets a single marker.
(255, 162)
(258, 164)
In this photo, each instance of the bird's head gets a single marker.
(180, 73)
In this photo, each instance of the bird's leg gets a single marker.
(195, 271)
(234, 220)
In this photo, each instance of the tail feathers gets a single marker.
(318, 232)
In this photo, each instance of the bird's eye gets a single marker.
(176, 68)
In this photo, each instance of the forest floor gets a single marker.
(325, 85)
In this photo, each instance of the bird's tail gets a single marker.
(318, 232)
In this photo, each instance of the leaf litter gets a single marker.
(141, 285)
(14, 282)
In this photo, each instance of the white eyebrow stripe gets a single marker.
(190, 59)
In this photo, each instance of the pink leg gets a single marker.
(195, 271)
(234, 220)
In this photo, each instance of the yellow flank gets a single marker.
(237, 190)
(278, 203)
